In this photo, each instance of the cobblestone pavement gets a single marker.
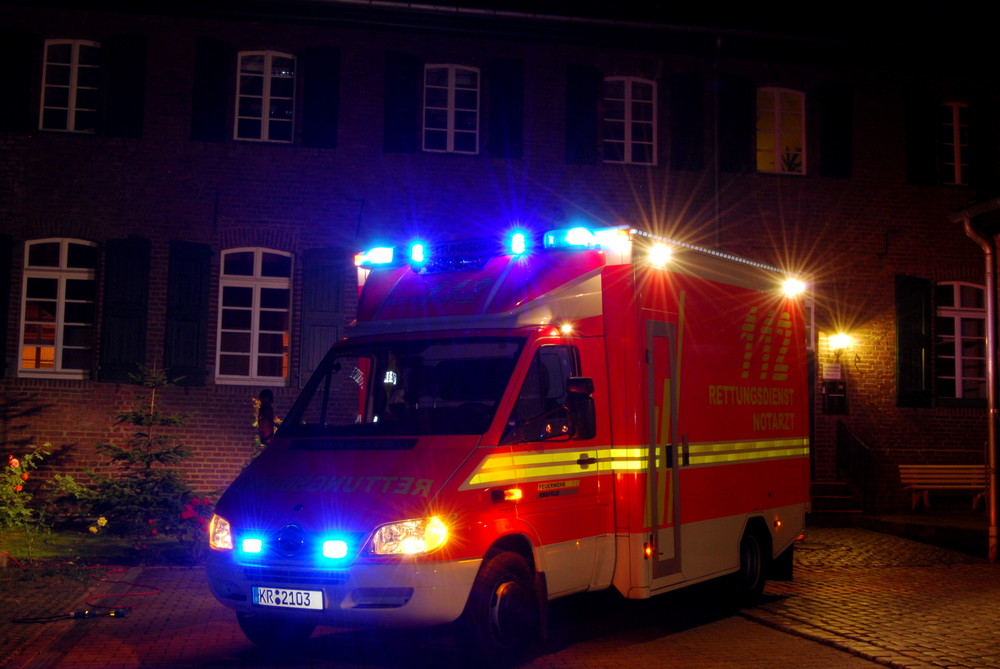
(860, 599)
(898, 602)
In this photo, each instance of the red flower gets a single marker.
(154, 531)
(195, 501)
(188, 513)
(24, 476)
(18, 488)
(206, 501)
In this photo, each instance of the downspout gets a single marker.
(988, 247)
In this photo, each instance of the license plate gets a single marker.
(288, 599)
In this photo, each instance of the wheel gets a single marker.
(752, 575)
(501, 618)
(273, 632)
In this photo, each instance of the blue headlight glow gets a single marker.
(334, 549)
(252, 545)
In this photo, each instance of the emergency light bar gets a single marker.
(617, 241)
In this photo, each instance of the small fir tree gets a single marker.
(144, 494)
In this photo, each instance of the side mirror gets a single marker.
(581, 406)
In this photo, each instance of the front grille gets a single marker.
(317, 577)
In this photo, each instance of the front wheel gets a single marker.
(273, 632)
(501, 618)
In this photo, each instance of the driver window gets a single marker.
(543, 396)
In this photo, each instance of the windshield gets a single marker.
(418, 387)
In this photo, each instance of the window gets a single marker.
(954, 143)
(70, 86)
(960, 341)
(628, 124)
(451, 109)
(58, 308)
(540, 412)
(265, 109)
(254, 320)
(781, 131)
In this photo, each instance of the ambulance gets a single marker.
(516, 420)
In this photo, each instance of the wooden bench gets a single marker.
(921, 480)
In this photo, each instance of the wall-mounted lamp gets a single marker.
(841, 342)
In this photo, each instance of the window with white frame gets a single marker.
(960, 341)
(58, 308)
(265, 109)
(628, 123)
(451, 109)
(781, 131)
(255, 294)
(954, 143)
(71, 89)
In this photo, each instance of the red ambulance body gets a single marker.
(505, 427)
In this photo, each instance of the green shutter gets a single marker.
(186, 332)
(583, 91)
(505, 79)
(835, 131)
(126, 302)
(323, 272)
(6, 260)
(922, 138)
(18, 52)
(737, 104)
(321, 99)
(403, 77)
(214, 67)
(125, 62)
(913, 341)
(687, 121)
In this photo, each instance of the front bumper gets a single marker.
(407, 593)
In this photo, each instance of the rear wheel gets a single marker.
(501, 617)
(273, 632)
(752, 575)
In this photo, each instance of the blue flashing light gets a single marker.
(517, 243)
(380, 255)
(252, 545)
(572, 238)
(335, 549)
(418, 253)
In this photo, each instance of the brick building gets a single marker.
(184, 187)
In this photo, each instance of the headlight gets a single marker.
(220, 534)
(409, 537)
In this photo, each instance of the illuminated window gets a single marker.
(70, 86)
(960, 341)
(265, 109)
(628, 124)
(954, 143)
(58, 308)
(451, 109)
(255, 292)
(781, 131)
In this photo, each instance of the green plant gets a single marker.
(16, 510)
(144, 494)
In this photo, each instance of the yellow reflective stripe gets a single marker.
(504, 468)
(741, 451)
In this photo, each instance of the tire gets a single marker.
(752, 574)
(273, 632)
(501, 618)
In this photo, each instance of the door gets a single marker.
(662, 464)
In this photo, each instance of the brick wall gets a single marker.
(850, 236)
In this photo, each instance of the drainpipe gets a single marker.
(988, 246)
